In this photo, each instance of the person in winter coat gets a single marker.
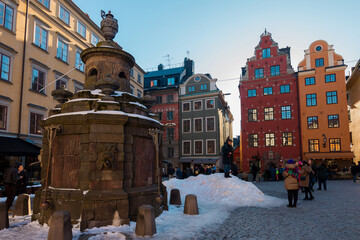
(11, 177)
(227, 156)
(305, 180)
(353, 170)
(178, 173)
(23, 181)
(291, 178)
(323, 174)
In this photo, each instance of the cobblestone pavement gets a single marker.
(334, 214)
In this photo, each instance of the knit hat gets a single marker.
(290, 161)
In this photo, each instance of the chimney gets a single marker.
(160, 67)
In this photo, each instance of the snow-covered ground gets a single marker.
(217, 197)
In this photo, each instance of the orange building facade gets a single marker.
(323, 106)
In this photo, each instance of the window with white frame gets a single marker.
(132, 89)
(81, 29)
(186, 126)
(35, 118)
(139, 93)
(198, 124)
(5, 62)
(64, 14)
(186, 107)
(210, 124)
(41, 35)
(94, 39)
(78, 62)
(270, 139)
(7, 16)
(210, 146)
(38, 79)
(62, 52)
(132, 72)
(198, 147)
(46, 3)
(139, 78)
(186, 147)
(210, 103)
(197, 105)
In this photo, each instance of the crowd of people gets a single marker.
(15, 181)
(187, 172)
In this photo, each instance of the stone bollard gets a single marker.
(175, 197)
(60, 226)
(22, 205)
(4, 216)
(145, 222)
(191, 206)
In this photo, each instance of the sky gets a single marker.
(217, 197)
(221, 35)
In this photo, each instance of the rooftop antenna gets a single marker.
(168, 59)
(265, 31)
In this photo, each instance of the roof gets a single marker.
(165, 72)
(10, 146)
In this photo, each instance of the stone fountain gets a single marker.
(101, 155)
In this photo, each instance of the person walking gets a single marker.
(353, 170)
(11, 177)
(22, 181)
(305, 179)
(323, 174)
(291, 179)
(254, 170)
(227, 156)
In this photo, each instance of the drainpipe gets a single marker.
(23, 69)
(299, 116)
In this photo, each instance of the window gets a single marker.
(210, 103)
(186, 147)
(330, 78)
(287, 139)
(34, 123)
(252, 115)
(197, 105)
(312, 122)
(198, 147)
(309, 81)
(333, 121)
(192, 89)
(319, 62)
(286, 112)
(170, 115)
(64, 15)
(4, 67)
(186, 126)
(62, 50)
(253, 140)
(170, 134)
(331, 97)
(186, 107)
(132, 72)
(170, 152)
(203, 87)
(95, 40)
(41, 37)
(60, 83)
(46, 3)
(6, 16)
(3, 117)
(335, 144)
(268, 113)
(78, 62)
(198, 123)
(81, 29)
(210, 124)
(266, 53)
(275, 70)
(38, 80)
(314, 145)
(132, 89)
(159, 99)
(139, 93)
(284, 88)
(210, 146)
(153, 83)
(269, 139)
(170, 98)
(139, 78)
(252, 93)
(259, 73)
(78, 87)
(171, 81)
(160, 116)
(268, 91)
(311, 99)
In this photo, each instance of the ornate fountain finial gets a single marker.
(109, 26)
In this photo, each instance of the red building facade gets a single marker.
(269, 107)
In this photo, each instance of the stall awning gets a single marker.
(198, 160)
(329, 155)
(12, 146)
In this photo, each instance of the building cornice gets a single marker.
(306, 72)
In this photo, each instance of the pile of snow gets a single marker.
(217, 198)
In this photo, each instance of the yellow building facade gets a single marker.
(323, 106)
(353, 90)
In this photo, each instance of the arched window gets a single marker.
(122, 75)
(92, 72)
